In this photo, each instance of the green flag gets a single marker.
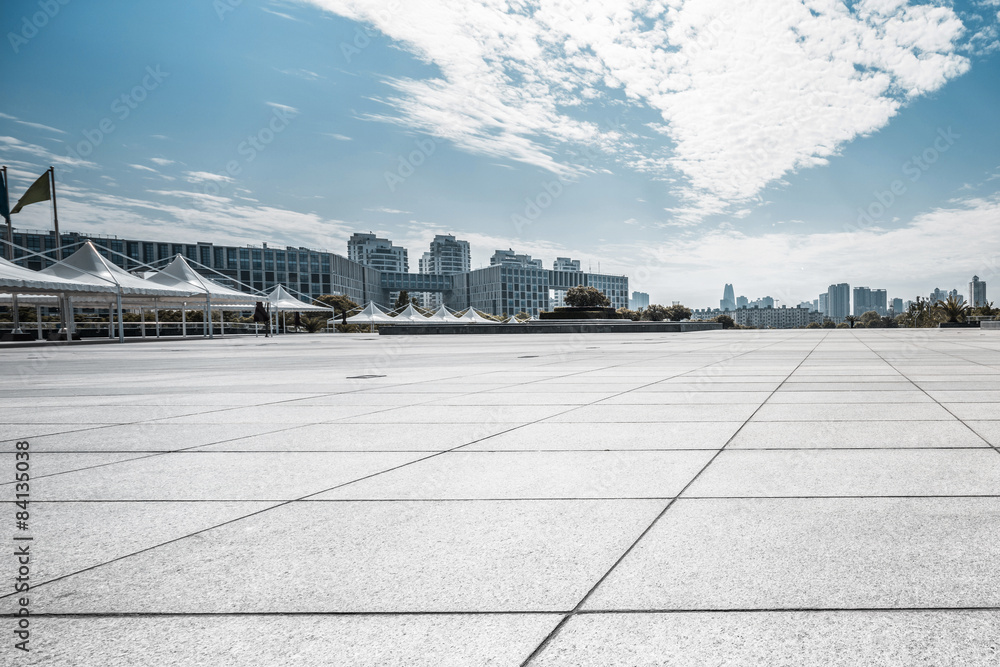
(39, 191)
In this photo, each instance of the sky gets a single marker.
(778, 145)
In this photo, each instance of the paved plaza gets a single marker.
(797, 497)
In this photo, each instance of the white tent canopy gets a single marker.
(472, 317)
(179, 275)
(371, 314)
(281, 299)
(410, 315)
(19, 280)
(442, 315)
(87, 266)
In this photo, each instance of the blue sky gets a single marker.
(684, 144)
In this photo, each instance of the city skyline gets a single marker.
(880, 164)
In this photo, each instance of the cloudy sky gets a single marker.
(775, 144)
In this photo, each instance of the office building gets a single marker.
(897, 306)
(639, 301)
(377, 253)
(977, 292)
(728, 301)
(769, 317)
(838, 302)
(447, 256)
(742, 302)
(824, 303)
(867, 299)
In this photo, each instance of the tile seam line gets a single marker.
(558, 628)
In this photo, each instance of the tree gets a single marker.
(586, 297)
(828, 324)
(954, 309)
(655, 313)
(678, 313)
(850, 319)
(627, 314)
(401, 300)
(870, 320)
(725, 320)
(313, 323)
(523, 315)
(814, 325)
(341, 305)
(843, 325)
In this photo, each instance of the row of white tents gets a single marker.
(372, 315)
(87, 279)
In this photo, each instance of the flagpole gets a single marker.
(55, 213)
(9, 252)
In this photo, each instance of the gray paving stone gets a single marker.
(812, 554)
(370, 557)
(461, 640)
(853, 412)
(788, 639)
(218, 476)
(848, 434)
(850, 472)
(592, 436)
(545, 474)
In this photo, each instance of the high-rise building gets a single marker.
(897, 306)
(377, 253)
(938, 295)
(510, 258)
(566, 264)
(639, 301)
(742, 302)
(867, 299)
(447, 256)
(728, 301)
(824, 303)
(977, 292)
(839, 301)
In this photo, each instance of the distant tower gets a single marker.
(728, 298)
(977, 292)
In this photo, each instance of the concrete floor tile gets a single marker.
(144, 437)
(850, 434)
(603, 412)
(591, 436)
(777, 639)
(546, 474)
(850, 472)
(812, 554)
(370, 557)
(218, 476)
(853, 412)
(462, 640)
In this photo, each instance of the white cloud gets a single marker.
(37, 126)
(43, 154)
(141, 167)
(163, 162)
(206, 177)
(747, 92)
(338, 137)
(394, 211)
(282, 107)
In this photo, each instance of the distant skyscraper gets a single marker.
(728, 301)
(378, 253)
(866, 299)
(742, 302)
(639, 300)
(839, 301)
(897, 306)
(824, 303)
(447, 256)
(938, 295)
(977, 292)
